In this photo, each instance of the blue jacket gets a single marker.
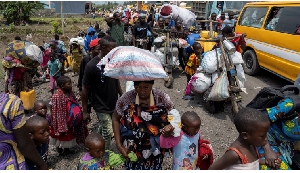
(88, 38)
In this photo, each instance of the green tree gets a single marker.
(17, 11)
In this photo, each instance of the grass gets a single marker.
(40, 25)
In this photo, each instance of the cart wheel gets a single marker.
(169, 81)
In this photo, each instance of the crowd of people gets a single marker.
(138, 119)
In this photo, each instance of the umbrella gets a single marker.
(133, 64)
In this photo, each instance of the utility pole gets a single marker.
(62, 17)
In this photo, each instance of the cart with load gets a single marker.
(220, 76)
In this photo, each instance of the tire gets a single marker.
(251, 66)
(169, 83)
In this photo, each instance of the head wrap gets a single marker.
(94, 42)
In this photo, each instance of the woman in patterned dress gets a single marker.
(15, 142)
(282, 151)
(138, 120)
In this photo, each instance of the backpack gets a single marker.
(75, 115)
(269, 97)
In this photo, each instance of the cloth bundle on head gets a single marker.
(174, 12)
(142, 13)
(29, 54)
(94, 42)
(78, 40)
(133, 64)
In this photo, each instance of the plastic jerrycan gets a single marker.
(28, 99)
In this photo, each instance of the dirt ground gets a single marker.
(218, 128)
(220, 133)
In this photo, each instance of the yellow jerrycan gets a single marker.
(28, 99)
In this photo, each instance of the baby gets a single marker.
(38, 129)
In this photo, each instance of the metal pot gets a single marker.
(229, 47)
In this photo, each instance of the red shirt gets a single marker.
(237, 42)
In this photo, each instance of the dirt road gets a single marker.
(218, 128)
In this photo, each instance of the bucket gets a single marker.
(191, 40)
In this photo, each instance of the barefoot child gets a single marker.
(192, 65)
(97, 158)
(185, 147)
(38, 129)
(242, 154)
(67, 120)
(54, 66)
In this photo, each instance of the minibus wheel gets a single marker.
(251, 66)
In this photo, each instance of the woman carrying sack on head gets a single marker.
(145, 124)
(76, 55)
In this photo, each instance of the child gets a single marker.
(67, 121)
(242, 154)
(185, 147)
(192, 65)
(41, 109)
(38, 129)
(54, 66)
(97, 158)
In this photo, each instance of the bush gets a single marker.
(55, 25)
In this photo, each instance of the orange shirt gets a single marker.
(192, 63)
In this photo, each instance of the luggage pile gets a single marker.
(212, 75)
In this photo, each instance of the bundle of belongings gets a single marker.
(21, 56)
(174, 12)
(211, 76)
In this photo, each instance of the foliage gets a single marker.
(129, 3)
(74, 20)
(55, 29)
(17, 11)
(108, 6)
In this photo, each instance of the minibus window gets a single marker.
(273, 17)
(289, 21)
(253, 16)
